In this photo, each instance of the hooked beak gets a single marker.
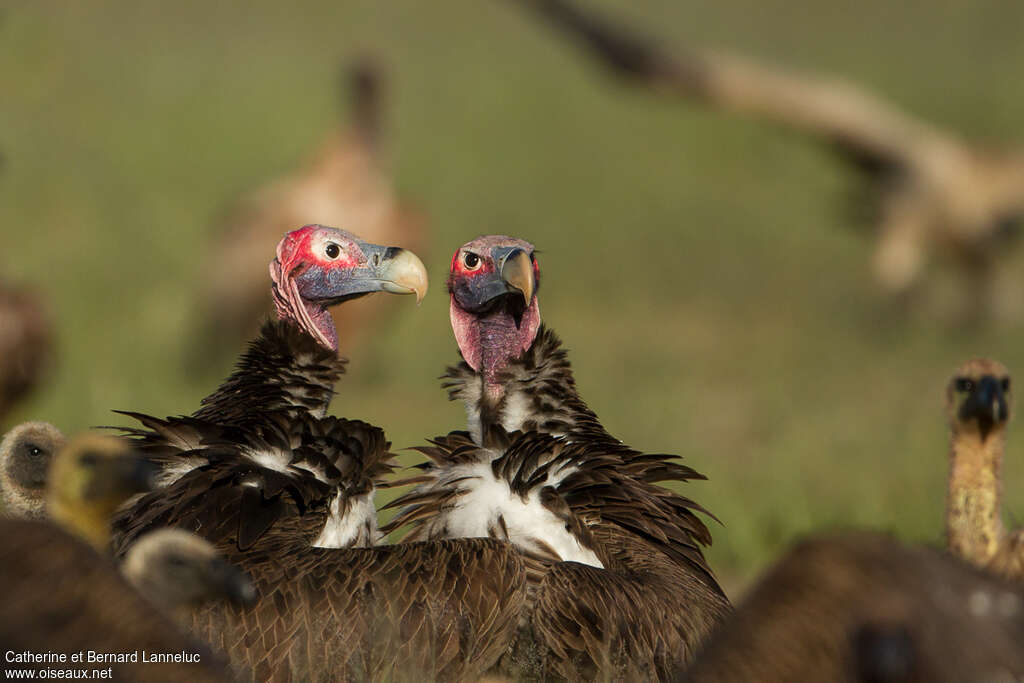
(400, 272)
(382, 269)
(986, 404)
(517, 272)
(512, 278)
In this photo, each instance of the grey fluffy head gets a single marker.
(175, 568)
(25, 456)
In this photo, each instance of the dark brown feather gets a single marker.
(390, 613)
(62, 596)
(864, 607)
(644, 613)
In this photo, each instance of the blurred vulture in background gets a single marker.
(25, 456)
(979, 401)
(932, 192)
(344, 183)
(864, 608)
(26, 344)
(62, 593)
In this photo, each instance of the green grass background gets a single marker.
(714, 292)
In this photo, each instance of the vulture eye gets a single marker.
(471, 260)
(176, 562)
(1005, 384)
(34, 450)
(964, 384)
(332, 250)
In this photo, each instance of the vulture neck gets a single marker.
(284, 369)
(88, 522)
(973, 524)
(537, 392)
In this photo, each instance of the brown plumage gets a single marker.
(622, 586)
(26, 344)
(638, 595)
(343, 183)
(862, 607)
(174, 568)
(25, 455)
(259, 457)
(979, 402)
(285, 493)
(389, 613)
(62, 595)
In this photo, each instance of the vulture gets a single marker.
(978, 403)
(176, 569)
(63, 595)
(620, 585)
(286, 494)
(26, 344)
(862, 607)
(260, 457)
(344, 182)
(25, 455)
(930, 191)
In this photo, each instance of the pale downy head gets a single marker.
(495, 316)
(175, 568)
(25, 456)
(318, 267)
(90, 478)
(979, 399)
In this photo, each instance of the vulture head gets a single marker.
(978, 398)
(25, 455)
(175, 568)
(318, 267)
(493, 286)
(90, 478)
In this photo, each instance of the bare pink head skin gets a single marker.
(318, 267)
(493, 284)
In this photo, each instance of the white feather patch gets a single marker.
(350, 530)
(171, 473)
(485, 498)
(271, 460)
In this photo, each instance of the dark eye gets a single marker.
(332, 250)
(176, 562)
(35, 450)
(964, 384)
(471, 260)
(1006, 384)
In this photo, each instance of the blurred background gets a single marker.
(709, 272)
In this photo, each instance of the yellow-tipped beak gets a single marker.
(404, 273)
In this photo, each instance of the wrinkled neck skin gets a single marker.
(488, 343)
(312, 317)
(973, 524)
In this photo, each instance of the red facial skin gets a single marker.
(296, 252)
(489, 341)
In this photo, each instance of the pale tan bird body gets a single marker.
(344, 183)
(979, 405)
